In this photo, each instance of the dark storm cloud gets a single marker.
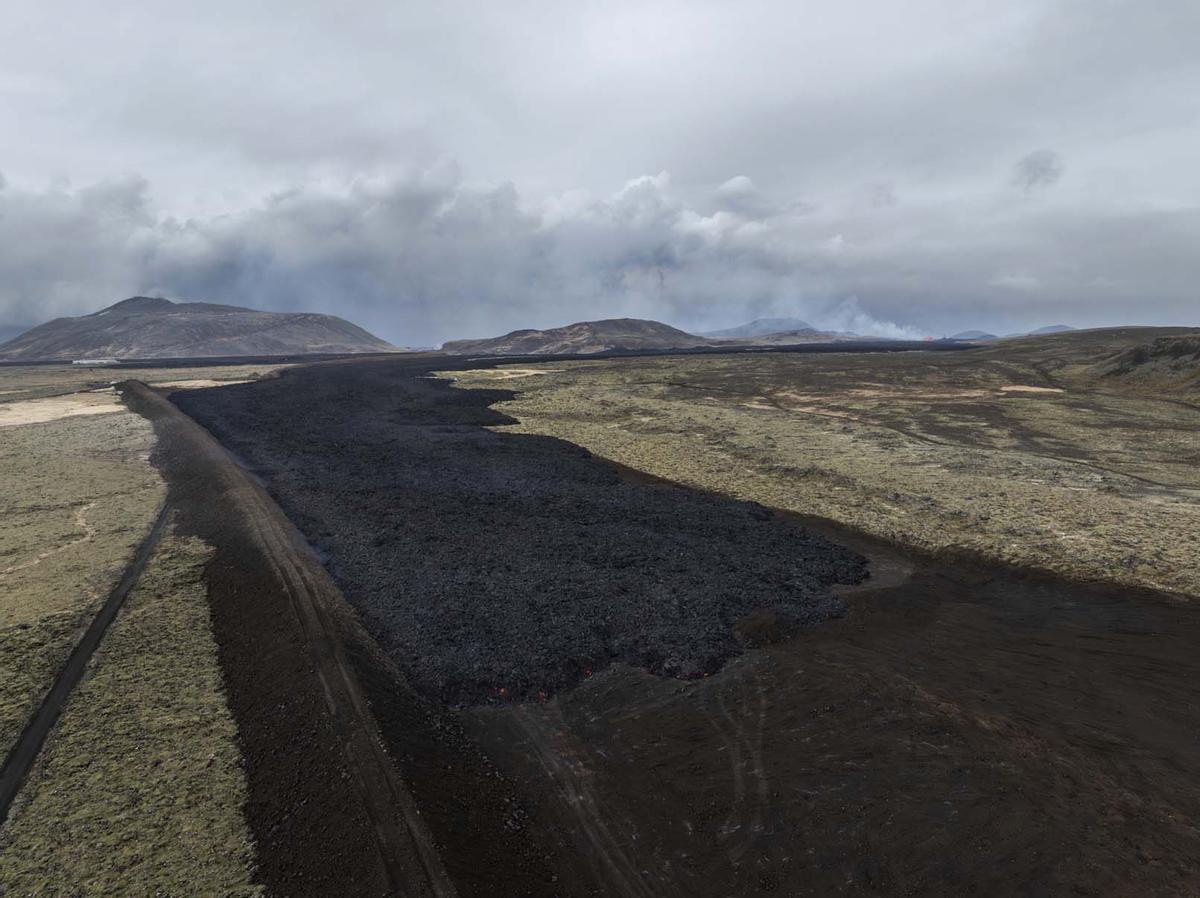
(1038, 169)
(871, 166)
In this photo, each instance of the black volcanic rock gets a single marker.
(494, 566)
(146, 327)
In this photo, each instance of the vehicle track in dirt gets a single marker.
(23, 756)
(348, 763)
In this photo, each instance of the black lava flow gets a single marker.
(497, 566)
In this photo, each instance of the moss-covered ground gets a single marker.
(1018, 452)
(78, 495)
(140, 789)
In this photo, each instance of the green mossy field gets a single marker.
(78, 496)
(1022, 451)
(140, 789)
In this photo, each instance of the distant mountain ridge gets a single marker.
(1052, 329)
(760, 327)
(984, 335)
(582, 337)
(1048, 329)
(148, 327)
(585, 337)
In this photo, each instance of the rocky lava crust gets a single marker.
(495, 566)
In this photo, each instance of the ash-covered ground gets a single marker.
(494, 565)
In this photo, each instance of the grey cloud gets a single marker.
(852, 164)
(429, 257)
(1036, 170)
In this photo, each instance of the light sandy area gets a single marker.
(507, 373)
(195, 383)
(39, 411)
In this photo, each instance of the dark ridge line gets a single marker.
(25, 753)
(851, 346)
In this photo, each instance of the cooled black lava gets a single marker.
(494, 565)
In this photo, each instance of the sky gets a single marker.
(452, 169)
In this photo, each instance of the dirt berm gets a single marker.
(329, 808)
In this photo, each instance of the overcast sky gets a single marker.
(450, 169)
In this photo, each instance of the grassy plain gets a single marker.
(78, 496)
(140, 791)
(1024, 451)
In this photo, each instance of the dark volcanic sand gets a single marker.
(967, 730)
(314, 833)
(499, 566)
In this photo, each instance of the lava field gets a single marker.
(495, 566)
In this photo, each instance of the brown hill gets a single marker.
(582, 337)
(151, 328)
(1169, 363)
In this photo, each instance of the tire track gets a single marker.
(745, 752)
(363, 747)
(24, 754)
(611, 862)
(89, 533)
(404, 849)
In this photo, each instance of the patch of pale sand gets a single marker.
(1022, 388)
(806, 404)
(39, 411)
(507, 373)
(861, 393)
(195, 384)
(917, 394)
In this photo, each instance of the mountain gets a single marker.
(760, 327)
(581, 337)
(145, 327)
(1052, 329)
(973, 335)
(1048, 329)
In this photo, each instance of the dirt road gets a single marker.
(328, 806)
